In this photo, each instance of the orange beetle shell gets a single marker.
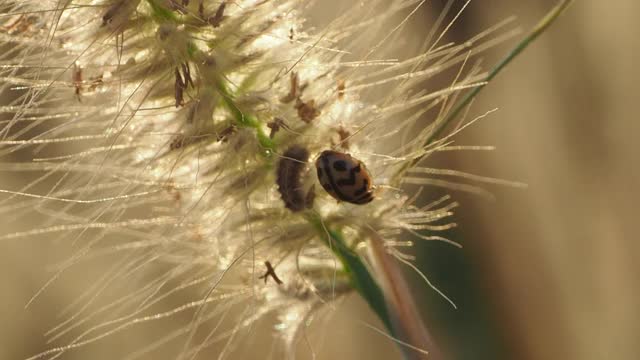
(344, 177)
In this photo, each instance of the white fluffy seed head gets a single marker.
(161, 125)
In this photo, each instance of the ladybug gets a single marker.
(344, 177)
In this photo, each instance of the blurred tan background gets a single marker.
(549, 272)
(561, 256)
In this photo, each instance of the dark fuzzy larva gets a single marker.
(290, 169)
(344, 177)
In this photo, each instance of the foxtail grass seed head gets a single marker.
(179, 140)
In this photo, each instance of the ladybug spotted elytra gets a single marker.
(344, 177)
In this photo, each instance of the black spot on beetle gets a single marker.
(352, 177)
(340, 165)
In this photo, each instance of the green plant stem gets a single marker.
(161, 12)
(245, 120)
(354, 268)
(533, 34)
